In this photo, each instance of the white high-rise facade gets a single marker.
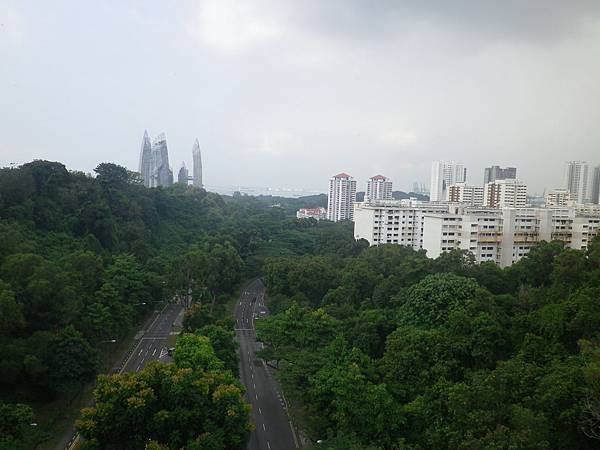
(379, 188)
(342, 195)
(507, 193)
(443, 175)
(576, 177)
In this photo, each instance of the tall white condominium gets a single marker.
(443, 175)
(576, 175)
(197, 157)
(379, 188)
(342, 195)
(507, 193)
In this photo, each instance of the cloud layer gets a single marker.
(287, 93)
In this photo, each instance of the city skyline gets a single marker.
(412, 83)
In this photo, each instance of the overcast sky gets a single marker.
(287, 93)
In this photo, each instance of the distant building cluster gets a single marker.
(312, 213)
(154, 163)
(493, 221)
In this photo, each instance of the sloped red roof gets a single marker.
(342, 175)
(378, 177)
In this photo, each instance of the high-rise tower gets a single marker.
(498, 173)
(161, 174)
(443, 175)
(342, 195)
(378, 188)
(197, 157)
(576, 175)
(146, 159)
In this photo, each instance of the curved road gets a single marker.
(273, 429)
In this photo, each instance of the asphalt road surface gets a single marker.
(273, 429)
(150, 346)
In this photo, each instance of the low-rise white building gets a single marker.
(558, 197)
(491, 234)
(311, 213)
(392, 222)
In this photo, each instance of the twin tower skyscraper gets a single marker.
(154, 163)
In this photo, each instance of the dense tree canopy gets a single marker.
(394, 350)
(84, 258)
(191, 403)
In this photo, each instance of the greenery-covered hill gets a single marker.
(391, 350)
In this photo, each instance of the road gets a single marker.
(273, 429)
(150, 345)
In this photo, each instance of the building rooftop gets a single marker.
(378, 177)
(342, 175)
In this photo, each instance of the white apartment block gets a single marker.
(558, 197)
(342, 195)
(444, 174)
(508, 193)
(378, 188)
(392, 222)
(576, 178)
(491, 234)
(463, 193)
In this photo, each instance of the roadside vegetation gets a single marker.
(391, 350)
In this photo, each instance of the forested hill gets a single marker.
(83, 258)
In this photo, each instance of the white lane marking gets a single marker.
(268, 445)
(264, 429)
(138, 368)
(259, 410)
(154, 352)
(254, 385)
(256, 395)
(140, 352)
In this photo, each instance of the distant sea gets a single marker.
(256, 190)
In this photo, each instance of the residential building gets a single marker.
(500, 235)
(506, 193)
(463, 193)
(341, 198)
(393, 222)
(444, 174)
(378, 188)
(494, 173)
(311, 213)
(576, 178)
(197, 159)
(558, 197)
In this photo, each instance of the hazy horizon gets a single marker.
(287, 94)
